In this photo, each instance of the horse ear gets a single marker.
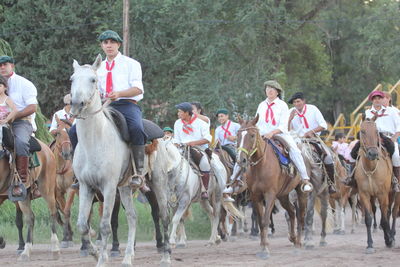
(363, 117)
(75, 64)
(97, 62)
(255, 120)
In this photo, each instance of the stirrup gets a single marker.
(306, 183)
(135, 185)
(16, 198)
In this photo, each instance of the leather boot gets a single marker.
(75, 185)
(330, 170)
(205, 178)
(395, 179)
(350, 181)
(22, 163)
(138, 180)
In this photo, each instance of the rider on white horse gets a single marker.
(273, 120)
(307, 121)
(120, 79)
(193, 132)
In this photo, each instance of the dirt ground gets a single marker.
(342, 250)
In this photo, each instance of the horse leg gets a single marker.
(105, 223)
(151, 197)
(271, 225)
(285, 202)
(373, 206)
(66, 235)
(114, 227)
(126, 198)
(395, 212)
(86, 196)
(29, 218)
(245, 224)
(20, 225)
(353, 213)
(213, 215)
(366, 202)
(100, 210)
(300, 214)
(308, 243)
(67, 215)
(263, 220)
(254, 222)
(383, 203)
(182, 207)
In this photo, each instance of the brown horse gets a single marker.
(266, 180)
(45, 177)
(373, 173)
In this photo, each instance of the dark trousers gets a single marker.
(133, 117)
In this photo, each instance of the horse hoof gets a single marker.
(336, 232)
(165, 264)
(3, 244)
(342, 232)
(115, 253)
(232, 238)
(23, 257)
(270, 235)
(218, 241)
(262, 255)
(70, 244)
(64, 244)
(375, 230)
(323, 243)
(160, 250)
(84, 253)
(181, 246)
(55, 255)
(353, 231)
(370, 251)
(19, 251)
(126, 265)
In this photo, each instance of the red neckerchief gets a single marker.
(109, 83)
(187, 126)
(302, 115)
(270, 112)
(226, 130)
(379, 115)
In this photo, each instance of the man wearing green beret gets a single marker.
(23, 93)
(120, 79)
(168, 132)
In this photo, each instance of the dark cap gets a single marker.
(298, 95)
(4, 59)
(222, 110)
(110, 35)
(185, 106)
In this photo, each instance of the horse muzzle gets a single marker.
(372, 153)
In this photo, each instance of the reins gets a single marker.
(254, 148)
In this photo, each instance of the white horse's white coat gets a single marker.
(100, 159)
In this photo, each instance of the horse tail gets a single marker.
(329, 216)
(231, 210)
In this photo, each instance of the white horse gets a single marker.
(182, 187)
(101, 159)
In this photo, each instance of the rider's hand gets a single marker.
(113, 95)
(2, 122)
(309, 134)
(231, 138)
(268, 135)
(292, 114)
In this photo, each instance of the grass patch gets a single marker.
(197, 227)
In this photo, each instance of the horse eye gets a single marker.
(93, 80)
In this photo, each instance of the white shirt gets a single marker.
(126, 73)
(313, 117)
(61, 114)
(201, 130)
(281, 115)
(220, 133)
(23, 93)
(389, 122)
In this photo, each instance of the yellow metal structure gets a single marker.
(356, 116)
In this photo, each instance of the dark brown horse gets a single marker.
(373, 173)
(266, 180)
(45, 178)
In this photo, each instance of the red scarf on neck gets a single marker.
(187, 126)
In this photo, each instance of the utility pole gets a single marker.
(125, 27)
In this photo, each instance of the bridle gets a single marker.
(253, 149)
(364, 147)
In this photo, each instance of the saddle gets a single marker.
(281, 149)
(8, 141)
(151, 130)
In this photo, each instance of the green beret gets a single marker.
(223, 111)
(110, 35)
(274, 84)
(168, 129)
(4, 59)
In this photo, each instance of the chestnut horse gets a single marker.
(45, 177)
(373, 173)
(266, 180)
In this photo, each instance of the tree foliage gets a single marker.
(216, 52)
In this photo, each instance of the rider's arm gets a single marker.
(28, 110)
(198, 142)
(13, 109)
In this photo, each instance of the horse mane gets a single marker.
(150, 148)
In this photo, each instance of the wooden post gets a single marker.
(125, 27)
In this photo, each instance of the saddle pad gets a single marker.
(34, 145)
(34, 160)
(152, 130)
(282, 158)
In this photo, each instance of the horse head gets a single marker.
(369, 139)
(63, 144)
(84, 87)
(248, 140)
